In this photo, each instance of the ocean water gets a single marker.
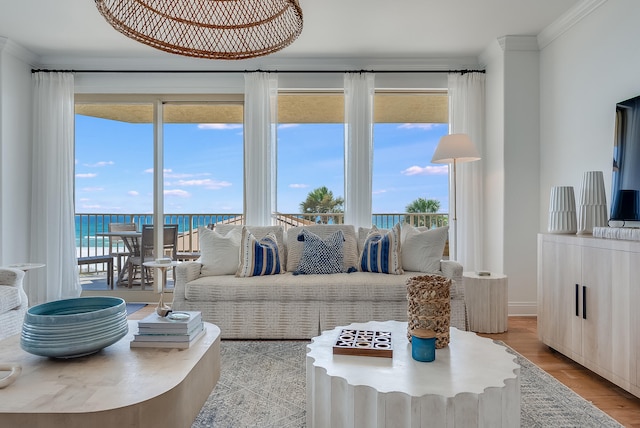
(89, 225)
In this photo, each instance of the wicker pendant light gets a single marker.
(214, 29)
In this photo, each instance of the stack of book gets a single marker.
(156, 331)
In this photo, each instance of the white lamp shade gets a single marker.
(458, 147)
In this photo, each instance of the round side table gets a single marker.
(163, 309)
(486, 299)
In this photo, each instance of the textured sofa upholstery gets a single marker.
(288, 306)
(13, 302)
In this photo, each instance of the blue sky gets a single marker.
(204, 169)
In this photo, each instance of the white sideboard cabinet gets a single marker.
(589, 304)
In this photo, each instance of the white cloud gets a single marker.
(171, 174)
(379, 192)
(298, 186)
(133, 193)
(87, 175)
(99, 164)
(427, 170)
(207, 183)
(92, 189)
(288, 125)
(424, 126)
(165, 172)
(177, 192)
(219, 126)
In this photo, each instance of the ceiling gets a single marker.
(351, 33)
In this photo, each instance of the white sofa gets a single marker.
(289, 306)
(13, 302)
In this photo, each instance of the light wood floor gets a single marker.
(523, 337)
(616, 402)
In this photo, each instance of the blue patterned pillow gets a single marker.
(258, 257)
(321, 256)
(381, 252)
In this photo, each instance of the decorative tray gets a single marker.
(368, 343)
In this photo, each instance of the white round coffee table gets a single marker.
(472, 383)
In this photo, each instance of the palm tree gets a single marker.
(422, 205)
(321, 200)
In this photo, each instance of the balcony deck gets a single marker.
(93, 278)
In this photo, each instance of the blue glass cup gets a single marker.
(423, 345)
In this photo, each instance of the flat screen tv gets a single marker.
(625, 189)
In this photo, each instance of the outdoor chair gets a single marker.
(146, 252)
(120, 252)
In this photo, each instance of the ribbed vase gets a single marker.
(592, 211)
(562, 210)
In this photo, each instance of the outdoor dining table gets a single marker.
(131, 239)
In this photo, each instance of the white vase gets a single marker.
(592, 211)
(562, 210)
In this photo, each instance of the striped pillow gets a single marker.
(381, 252)
(258, 256)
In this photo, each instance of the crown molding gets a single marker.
(518, 43)
(566, 21)
(12, 48)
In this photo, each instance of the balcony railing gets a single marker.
(90, 226)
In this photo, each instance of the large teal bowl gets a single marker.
(72, 328)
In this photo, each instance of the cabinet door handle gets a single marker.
(584, 302)
(577, 300)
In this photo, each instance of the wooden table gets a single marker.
(486, 297)
(131, 239)
(472, 383)
(117, 387)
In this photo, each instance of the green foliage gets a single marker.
(426, 206)
(422, 205)
(321, 201)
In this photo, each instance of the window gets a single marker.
(310, 154)
(407, 129)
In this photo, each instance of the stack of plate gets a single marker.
(72, 328)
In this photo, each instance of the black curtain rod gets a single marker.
(465, 71)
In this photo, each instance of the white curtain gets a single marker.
(359, 90)
(467, 116)
(52, 224)
(260, 124)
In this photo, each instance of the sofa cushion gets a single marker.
(422, 247)
(220, 254)
(260, 232)
(357, 286)
(295, 247)
(381, 252)
(321, 256)
(9, 298)
(258, 256)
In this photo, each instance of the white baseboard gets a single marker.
(523, 308)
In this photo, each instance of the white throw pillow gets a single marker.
(259, 232)
(422, 248)
(220, 253)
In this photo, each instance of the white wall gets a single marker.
(584, 73)
(15, 152)
(511, 167)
